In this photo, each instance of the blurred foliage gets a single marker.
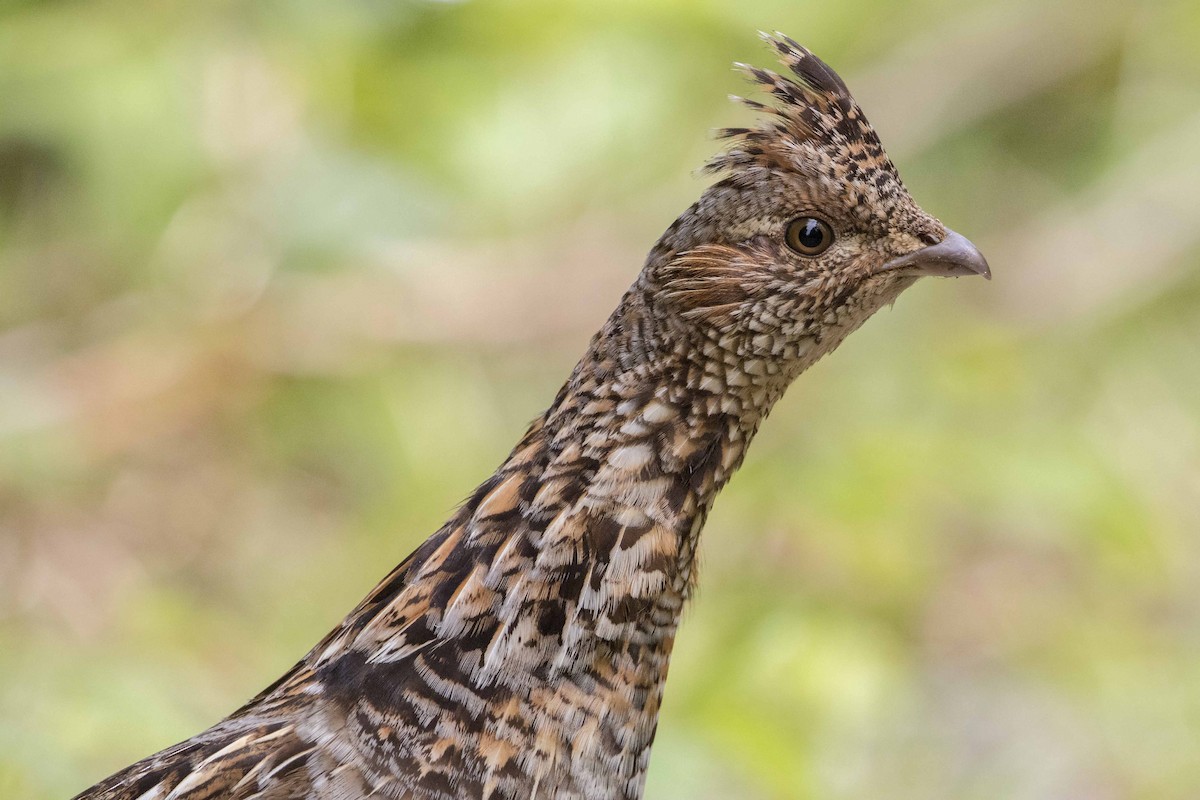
(281, 281)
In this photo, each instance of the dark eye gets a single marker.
(809, 236)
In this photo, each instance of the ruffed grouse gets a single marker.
(521, 651)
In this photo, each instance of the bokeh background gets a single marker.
(280, 282)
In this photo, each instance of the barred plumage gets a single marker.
(522, 650)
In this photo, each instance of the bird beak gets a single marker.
(954, 256)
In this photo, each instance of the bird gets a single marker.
(522, 650)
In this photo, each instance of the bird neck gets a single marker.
(603, 499)
(583, 542)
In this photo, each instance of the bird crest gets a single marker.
(812, 109)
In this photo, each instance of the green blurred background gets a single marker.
(281, 281)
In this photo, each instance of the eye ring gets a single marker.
(809, 236)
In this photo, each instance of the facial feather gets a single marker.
(812, 154)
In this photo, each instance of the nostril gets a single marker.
(931, 238)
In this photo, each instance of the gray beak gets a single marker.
(954, 256)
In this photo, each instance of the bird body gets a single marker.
(522, 650)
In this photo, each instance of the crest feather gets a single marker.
(812, 105)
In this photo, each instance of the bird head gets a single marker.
(809, 231)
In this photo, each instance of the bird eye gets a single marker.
(809, 236)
